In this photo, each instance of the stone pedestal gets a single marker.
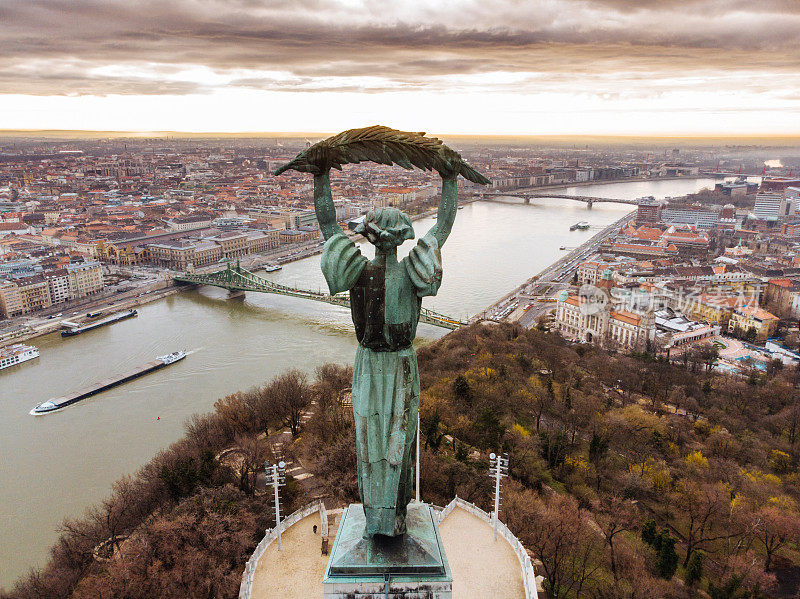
(413, 566)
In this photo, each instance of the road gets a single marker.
(547, 284)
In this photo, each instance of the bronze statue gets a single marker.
(385, 301)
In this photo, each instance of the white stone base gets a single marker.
(398, 589)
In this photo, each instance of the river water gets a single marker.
(54, 466)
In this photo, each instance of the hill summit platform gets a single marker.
(482, 566)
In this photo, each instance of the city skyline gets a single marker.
(560, 67)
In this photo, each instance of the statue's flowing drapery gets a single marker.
(385, 300)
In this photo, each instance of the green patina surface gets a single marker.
(417, 556)
(385, 302)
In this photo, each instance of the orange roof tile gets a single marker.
(628, 317)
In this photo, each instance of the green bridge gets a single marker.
(236, 278)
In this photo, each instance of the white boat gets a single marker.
(17, 354)
(272, 267)
(172, 358)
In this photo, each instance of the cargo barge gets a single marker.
(100, 323)
(51, 405)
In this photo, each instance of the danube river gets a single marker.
(57, 465)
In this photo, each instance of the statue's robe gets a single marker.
(385, 302)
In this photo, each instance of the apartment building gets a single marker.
(10, 299)
(233, 244)
(24, 295)
(85, 278)
(751, 317)
(782, 296)
(58, 285)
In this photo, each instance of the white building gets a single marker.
(58, 284)
(700, 218)
(596, 317)
(188, 223)
(771, 206)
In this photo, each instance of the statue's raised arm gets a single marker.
(323, 206)
(448, 206)
(384, 146)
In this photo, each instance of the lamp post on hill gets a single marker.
(277, 478)
(498, 468)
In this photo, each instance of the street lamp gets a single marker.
(417, 472)
(498, 468)
(277, 478)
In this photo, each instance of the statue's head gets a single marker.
(386, 228)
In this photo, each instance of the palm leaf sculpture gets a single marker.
(384, 146)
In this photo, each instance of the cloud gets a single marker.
(593, 55)
(405, 45)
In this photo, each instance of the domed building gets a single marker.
(606, 315)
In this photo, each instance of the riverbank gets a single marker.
(560, 271)
(164, 288)
(27, 332)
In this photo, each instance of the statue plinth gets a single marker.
(414, 564)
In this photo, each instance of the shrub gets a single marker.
(649, 532)
(694, 569)
(667, 557)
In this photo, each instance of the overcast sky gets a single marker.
(453, 66)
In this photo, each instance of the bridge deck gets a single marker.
(236, 278)
(562, 196)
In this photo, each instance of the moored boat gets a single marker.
(16, 354)
(77, 330)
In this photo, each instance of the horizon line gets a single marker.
(795, 137)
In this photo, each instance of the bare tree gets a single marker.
(253, 453)
(704, 510)
(773, 527)
(560, 534)
(617, 516)
(291, 394)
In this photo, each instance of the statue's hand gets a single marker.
(451, 166)
(449, 172)
(396, 447)
(309, 168)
